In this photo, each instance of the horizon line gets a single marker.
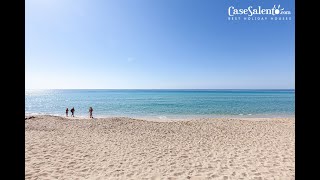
(160, 89)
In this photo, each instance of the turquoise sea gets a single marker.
(163, 104)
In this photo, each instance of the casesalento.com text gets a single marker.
(258, 13)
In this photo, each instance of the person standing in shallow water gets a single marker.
(90, 112)
(67, 110)
(72, 112)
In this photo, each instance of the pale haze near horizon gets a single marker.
(154, 45)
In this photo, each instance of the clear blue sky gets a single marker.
(152, 44)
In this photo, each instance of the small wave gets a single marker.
(162, 117)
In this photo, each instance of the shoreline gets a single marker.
(176, 118)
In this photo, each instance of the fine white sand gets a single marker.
(123, 148)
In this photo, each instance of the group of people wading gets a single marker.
(72, 112)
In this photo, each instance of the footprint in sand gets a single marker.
(155, 178)
(178, 173)
(214, 176)
(197, 178)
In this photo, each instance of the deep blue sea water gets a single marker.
(163, 103)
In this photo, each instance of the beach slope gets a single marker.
(124, 148)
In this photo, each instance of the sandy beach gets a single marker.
(124, 148)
